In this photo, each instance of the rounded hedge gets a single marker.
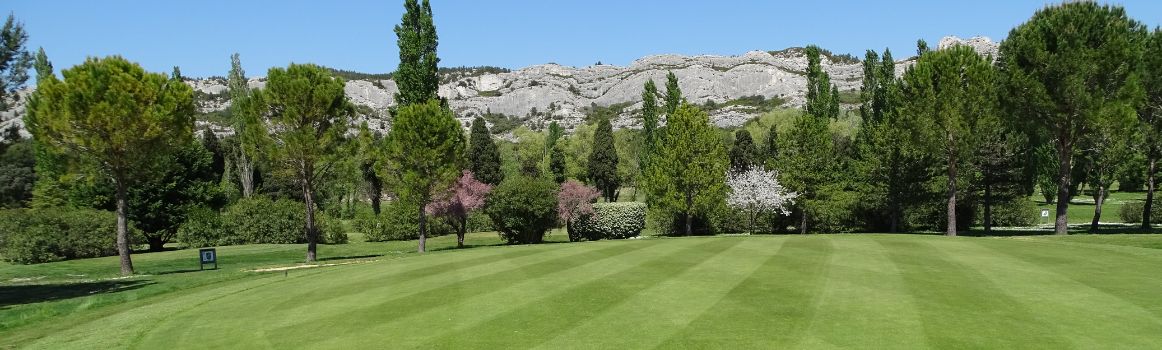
(617, 220)
(397, 221)
(32, 236)
(523, 209)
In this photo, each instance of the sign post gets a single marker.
(207, 256)
(1045, 215)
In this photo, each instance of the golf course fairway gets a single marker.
(817, 291)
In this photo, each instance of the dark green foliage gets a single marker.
(483, 156)
(32, 236)
(557, 164)
(17, 170)
(417, 76)
(160, 204)
(673, 98)
(688, 175)
(649, 123)
(425, 153)
(204, 228)
(398, 222)
(1069, 69)
(612, 221)
(811, 158)
(771, 148)
(15, 60)
(1131, 212)
(744, 154)
(258, 220)
(603, 162)
(1014, 212)
(1150, 116)
(523, 209)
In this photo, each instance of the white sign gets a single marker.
(1044, 213)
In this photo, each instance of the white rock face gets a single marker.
(572, 89)
(983, 45)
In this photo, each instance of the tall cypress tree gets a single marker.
(603, 161)
(743, 154)
(649, 123)
(673, 93)
(418, 65)
(483, 156)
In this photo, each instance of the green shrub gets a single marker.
(523, 209)
(31, 236)
(1131, 212)
(397, 221)
(331, 230)
(204, 228)
(1019, 212)
(261, 220)
(618, 220)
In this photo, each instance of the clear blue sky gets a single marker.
(199, 36)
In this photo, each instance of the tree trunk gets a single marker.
(951, 230)
(376, 194)
(988, 208)
(423, 231)
(689, 215)
(1099, 198)
(1149, 205)
(1064, 173)
(460, 231)
(123, 230)
(803, 220)
(894, 193)
(156, 243)
(312, 232)
(245, 174)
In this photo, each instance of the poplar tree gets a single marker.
(483, 156)
(673, 93)
(306, 118)
(243, 114)
(115, 120)
(603, 161)
(416, 75)
(1068, 69)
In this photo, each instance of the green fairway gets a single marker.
(819, 291)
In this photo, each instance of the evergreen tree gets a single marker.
(603, 162)
(1150, 116)
(307, 118)
(771, 150)
(1068, 69)
(743, 155)
(131, 122)
(812, 159)
(212, 144)
(483, 156)
(418, 65)
(673, 93)
(557, 164)
(688, 174)
(948, 93)
(424, 152)
(15, 61)
(999, 157)
(649, 123)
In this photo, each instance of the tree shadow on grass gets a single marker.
(38, 293)
(347, 257)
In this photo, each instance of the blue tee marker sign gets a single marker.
(207, 256)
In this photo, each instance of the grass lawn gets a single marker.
(817, 291)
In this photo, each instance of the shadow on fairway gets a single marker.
(28, 294)
(365, 256)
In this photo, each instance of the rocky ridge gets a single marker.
(539, 94)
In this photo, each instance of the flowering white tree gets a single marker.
(757, 191)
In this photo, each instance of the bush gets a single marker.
(397, 221)
(32, 236)
(1019, 212)
(1131, 212)
(204, 228)
(261, 220)
(523, 209)
(331, 231)
(612, 221)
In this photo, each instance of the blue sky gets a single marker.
(199, 36)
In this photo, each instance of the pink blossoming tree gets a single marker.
(466, 195)
(574, 201)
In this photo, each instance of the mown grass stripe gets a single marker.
(480, 306)
(864, 290)
(780, 294)
(355, 316)
(651, 316)
(531, 324)
(962, 308)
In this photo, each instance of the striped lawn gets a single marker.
(816, 292)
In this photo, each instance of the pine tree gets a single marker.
(15, 61)
(688, 174)
(416, 75)
(483, 156)
(1061, 67)
(424, 153)
(743, 155)
(131, 123)
(603, 162)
